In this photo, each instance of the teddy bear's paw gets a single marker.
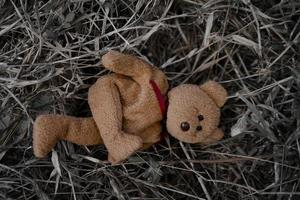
(129, 144)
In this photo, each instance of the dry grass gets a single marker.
(49, 56)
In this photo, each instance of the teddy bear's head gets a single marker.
(194, 112)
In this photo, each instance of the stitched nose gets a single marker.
(200, 117)
(199, 128)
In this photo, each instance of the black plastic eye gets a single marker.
(199, 128)
(200, 117)
(185, 126)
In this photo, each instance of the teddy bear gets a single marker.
(128, 107)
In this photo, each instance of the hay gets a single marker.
(49, 56)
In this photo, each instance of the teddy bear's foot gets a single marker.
(124, 146)
(44, 136)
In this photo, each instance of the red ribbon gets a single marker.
(160, 98)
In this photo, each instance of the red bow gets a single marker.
(160, 98)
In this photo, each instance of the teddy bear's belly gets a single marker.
(141, 115)
(140, 106)
(139, 124)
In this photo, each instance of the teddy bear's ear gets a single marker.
(215, 91)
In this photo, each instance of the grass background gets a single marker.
(49, 57)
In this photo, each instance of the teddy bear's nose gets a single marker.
(200, 117)
(199, 128)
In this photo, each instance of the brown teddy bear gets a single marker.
(128, 107)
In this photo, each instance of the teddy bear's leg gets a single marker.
(214, 137)
(49, 129)
(83, 131)
(128, 65)
(105, 104)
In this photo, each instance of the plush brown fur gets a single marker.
(126, 115)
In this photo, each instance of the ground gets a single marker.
(50, 55)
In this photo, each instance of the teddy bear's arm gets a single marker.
(127, 65)
(105, 104)
(215, 91)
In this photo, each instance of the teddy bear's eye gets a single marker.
(185, 126)
(200, 117)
